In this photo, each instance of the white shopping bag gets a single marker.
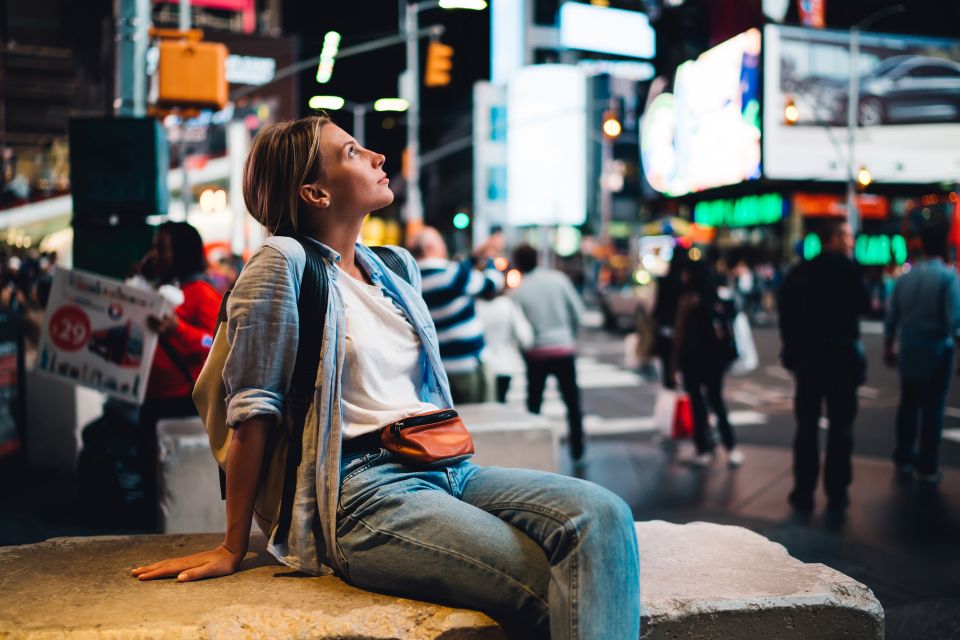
(664, 410)
(672, 415)
(631, 357)
(747, 357)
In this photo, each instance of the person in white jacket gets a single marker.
(506, 332)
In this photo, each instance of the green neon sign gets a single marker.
(868, 250)
(748, 211)
(811, 246)
(880, 250)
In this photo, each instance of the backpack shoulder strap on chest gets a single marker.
(393, 261)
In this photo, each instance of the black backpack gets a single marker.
(722, 315)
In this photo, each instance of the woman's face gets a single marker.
(162, 254)
(353, 176)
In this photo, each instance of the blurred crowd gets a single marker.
(501, 315)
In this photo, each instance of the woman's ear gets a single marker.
(315, 196)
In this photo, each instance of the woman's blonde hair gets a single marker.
(283, 157)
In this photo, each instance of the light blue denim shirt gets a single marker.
(263, 331)
(925, 310)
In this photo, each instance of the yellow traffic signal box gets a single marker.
(192, 73)
(439, 64)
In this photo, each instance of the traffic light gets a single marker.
(331, 46)
(612, 128)
(791, 114)
(461, 220)
(191, 72)
(439, 64)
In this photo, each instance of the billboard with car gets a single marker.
(908, 110)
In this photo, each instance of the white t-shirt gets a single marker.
(382, 368)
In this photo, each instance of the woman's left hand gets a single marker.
(164, 325)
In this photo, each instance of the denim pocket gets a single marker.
(359, 464)
(350, 472)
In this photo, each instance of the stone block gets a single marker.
(699, 580)
(189, 483)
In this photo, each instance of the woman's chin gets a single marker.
(386, 200)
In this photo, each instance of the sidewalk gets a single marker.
(900, 540)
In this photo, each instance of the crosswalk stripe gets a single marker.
(951, 434)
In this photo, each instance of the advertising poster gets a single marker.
(908, 110)
(706, 133)
(96, 335)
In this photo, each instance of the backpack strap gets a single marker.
(312, 306)
(393, 261)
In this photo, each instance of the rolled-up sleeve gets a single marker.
(263, 332)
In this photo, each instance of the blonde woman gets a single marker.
(546, 551)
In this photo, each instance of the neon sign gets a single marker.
(868, 250)
(742, 212)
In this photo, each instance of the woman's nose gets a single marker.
(379, 159)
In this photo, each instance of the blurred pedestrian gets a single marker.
(665, 314)
(703, 350)
(449, 289)
(925, 312)
(820, 307)
(506, 332)
(176, 259)
(552, 306)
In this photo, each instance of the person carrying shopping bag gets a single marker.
(703, 351)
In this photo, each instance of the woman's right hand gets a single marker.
(206, 564)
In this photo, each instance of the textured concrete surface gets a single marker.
(704, 580)
(698, 580)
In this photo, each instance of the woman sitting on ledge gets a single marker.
(542, 550)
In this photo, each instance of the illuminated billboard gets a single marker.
(706, 133)
(908, 109)
(606, 30)
(547, 145)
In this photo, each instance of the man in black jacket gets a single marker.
(820, 305)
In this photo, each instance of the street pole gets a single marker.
(606, 194)
(184, 25)
(133, 24)
(853, 108)
(359, 128)
(184, 17)
(413, 212)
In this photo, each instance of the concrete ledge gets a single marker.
(699, 580)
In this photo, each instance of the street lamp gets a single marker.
(853, 107)
(359, 109)
(409, 19)
(330, 103)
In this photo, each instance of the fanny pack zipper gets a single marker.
(419, 421)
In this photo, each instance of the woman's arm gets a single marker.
(243, 472)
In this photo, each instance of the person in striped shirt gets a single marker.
(449, 289)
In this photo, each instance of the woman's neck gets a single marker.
(342, 238)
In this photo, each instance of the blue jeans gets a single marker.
(926, 398)
(539, 549)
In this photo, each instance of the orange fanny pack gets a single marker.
(427, 438)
